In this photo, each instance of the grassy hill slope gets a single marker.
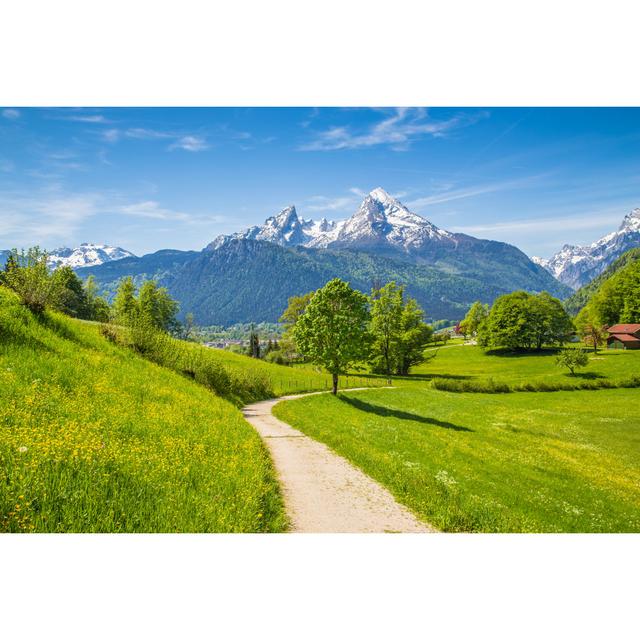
(94, 438)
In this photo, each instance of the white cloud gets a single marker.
(470, 192)
(88, 118)
(47, 218)
(595, 220)
(190, 143)
(152, 209)
(398, 130)
(10, 114)
(180, 141)
(322, 203)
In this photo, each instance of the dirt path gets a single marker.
(323, 492)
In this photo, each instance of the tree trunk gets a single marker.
(334, 377)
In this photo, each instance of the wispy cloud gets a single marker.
(323, 203)
(592, 220)
(152, 209)
(96, 119)
(398, 130)
(10, 114)
(190, 143)
(180, 141)
(447, 195)
(46, 218)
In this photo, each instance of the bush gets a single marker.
(28, 275)
(489, 386)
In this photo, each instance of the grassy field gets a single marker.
(95, 438)
(525, 462)
(469, 362)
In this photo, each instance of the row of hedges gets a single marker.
(491, 386)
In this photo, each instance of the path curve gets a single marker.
(324, 493)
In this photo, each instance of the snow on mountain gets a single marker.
(381, 220)
(578, 265)
(86, 255)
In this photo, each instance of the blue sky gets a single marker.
(152, 178)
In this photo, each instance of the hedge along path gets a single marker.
(324, 493)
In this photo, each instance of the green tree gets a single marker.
(476, 316)
(520, 320)
(332, 331)
(592, 334)
(414, 337)
(98, 306)
(387, 305)
(156, 308)
(28, 274)
(295, 308)
(125, 305)
(572, 359)
(551, 323)
(73, 298)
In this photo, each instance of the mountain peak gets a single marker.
(631, 222)
(576, 265)
(380, 195)
(88, 254)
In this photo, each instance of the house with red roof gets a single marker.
(624, 336)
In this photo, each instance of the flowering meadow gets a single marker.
(94, 438)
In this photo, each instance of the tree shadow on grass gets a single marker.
(586, 375)
(431, 376)
(523, 353)
(385, 412)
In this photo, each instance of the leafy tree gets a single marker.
(414, 336)
(387, 305)
(551, 323)
(332, 331)
(476, 316)
(295, 308)
(98, 306)
(520, 320)
(73, 297)
(188, 327)
(572, 359)
(591, 333)
(156, 307)
(125, 305)
(28, 274)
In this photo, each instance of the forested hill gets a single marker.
(582, 296)
(250, 280)
(617, 299)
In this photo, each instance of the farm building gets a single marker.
(624, 336)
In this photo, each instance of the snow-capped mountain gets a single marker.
(86, 255)
(380, 222)
(286, 229)
(578, 265)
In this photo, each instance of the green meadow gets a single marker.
(94, 438)
(567, 461)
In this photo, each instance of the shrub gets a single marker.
(28, 275)
(572, 359)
